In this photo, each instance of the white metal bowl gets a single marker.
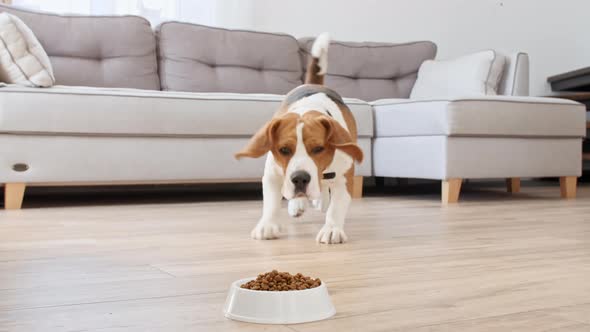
(287, 307)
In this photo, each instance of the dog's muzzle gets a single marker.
(300, 180)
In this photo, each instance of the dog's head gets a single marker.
(303, 146)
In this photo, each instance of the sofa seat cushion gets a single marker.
(480, 116)
(134, 112)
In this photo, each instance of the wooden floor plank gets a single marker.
(417, 319)
(182, 313)
(528, 321)
(578, 313)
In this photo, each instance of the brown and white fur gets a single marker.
(312, 133)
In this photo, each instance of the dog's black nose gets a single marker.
(300, 179)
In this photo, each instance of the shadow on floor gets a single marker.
(43, 197)
(477, 190)
(472, 191)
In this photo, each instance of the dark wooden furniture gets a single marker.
(575, 80)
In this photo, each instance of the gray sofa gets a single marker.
(134, 105)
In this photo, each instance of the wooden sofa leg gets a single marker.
(13, 195)
(357, 187)
(568, 186)
(450, 190)
(513, 185)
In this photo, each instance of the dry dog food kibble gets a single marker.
(281, 281)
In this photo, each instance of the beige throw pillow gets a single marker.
(22, 58)
(474, 74)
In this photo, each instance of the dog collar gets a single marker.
(329, 176)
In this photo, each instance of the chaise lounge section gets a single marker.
(479, 138)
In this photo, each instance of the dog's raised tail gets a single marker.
(318, 62)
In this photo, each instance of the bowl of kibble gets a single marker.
(278, 298)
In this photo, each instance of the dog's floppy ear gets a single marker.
(340, 138)
(261, 142)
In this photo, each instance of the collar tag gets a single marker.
(329, 176)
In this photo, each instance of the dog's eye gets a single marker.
(285, 151)
(317, 149)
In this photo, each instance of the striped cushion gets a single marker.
(22, 58)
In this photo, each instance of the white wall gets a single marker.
(553, 32)
(235, 13)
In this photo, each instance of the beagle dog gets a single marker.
(311, 148)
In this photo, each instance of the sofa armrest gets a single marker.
(515, 79)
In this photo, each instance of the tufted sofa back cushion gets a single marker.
(101, 51)
(204, 59)
(371, 71)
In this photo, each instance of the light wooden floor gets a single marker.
(491, 263)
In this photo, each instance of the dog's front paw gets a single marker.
(265, 230)
(331, 234)
(296, 206)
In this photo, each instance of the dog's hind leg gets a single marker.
(272, 181)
